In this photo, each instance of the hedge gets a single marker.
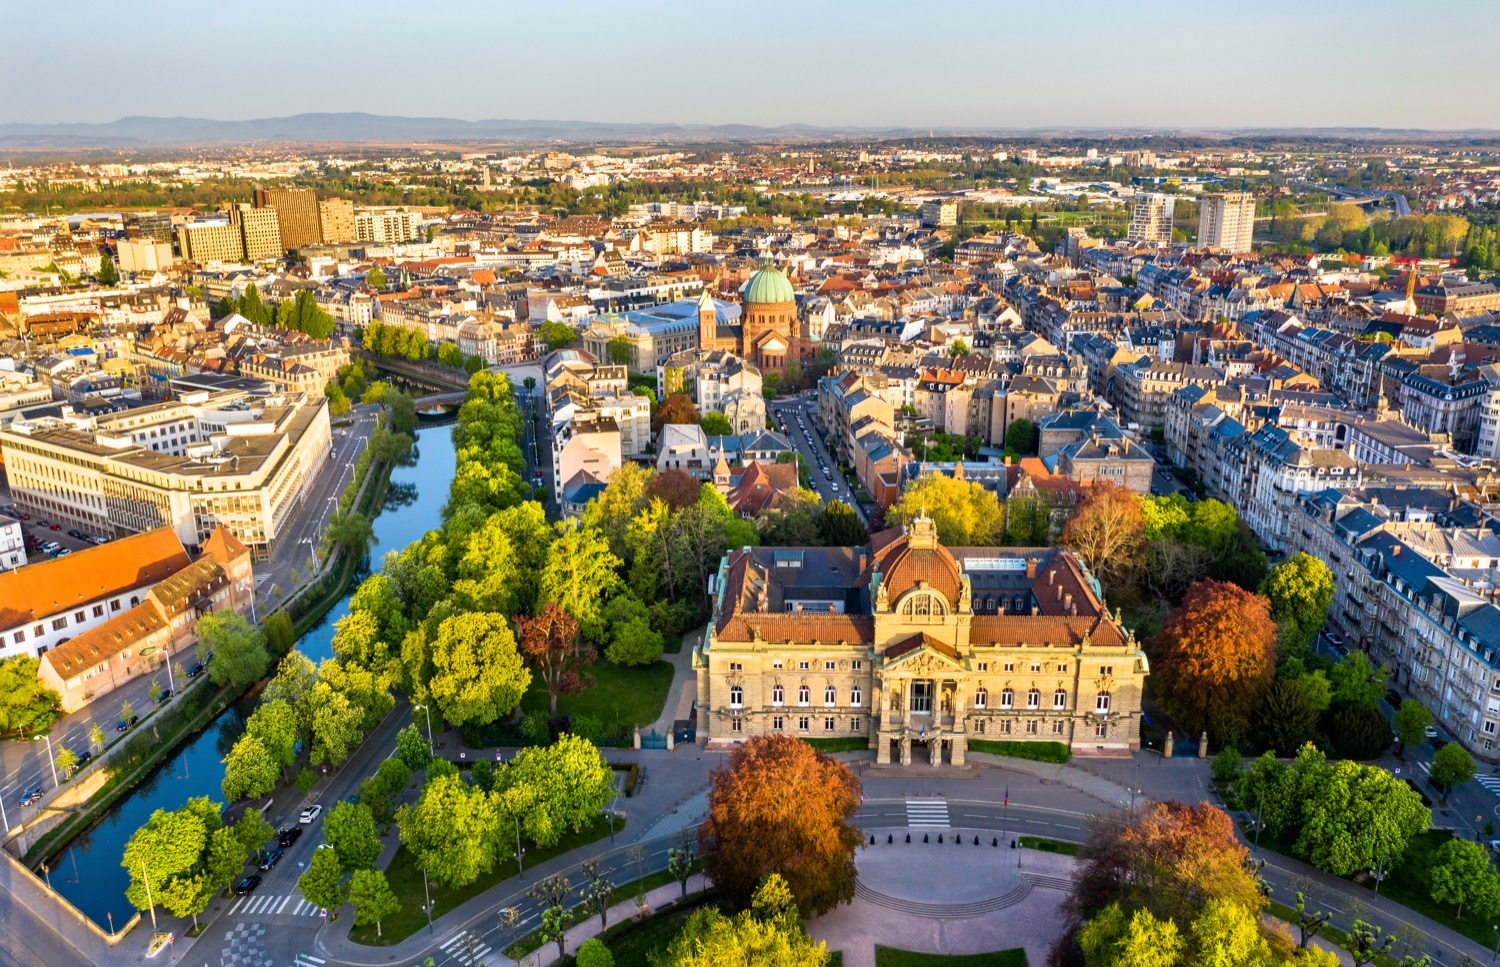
(843, 743)
(1036, 751)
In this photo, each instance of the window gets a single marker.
(1004, 728)
(1106, 671)
(1007, 698)
(1031, 726)
(979, 726)
(854, 724)
(1101, 730)
(1489, 728)
(114, 606)
(804, 695)
(98, 610)
(736, 697)
(78, 617)
(856, 664)
(802, 665)
(1036, 667)
(1010, 666)
(1062, 668)
(981, 698)
(984, 666)
(802, 723)
(59, 624)
(829, 724)
(829, 666)
(778, 695)
(1057, 726)
(736, 666)
(924, 606)
(776, 663)
(856, 696)
(1101, 702)
(738, 725)
(20, 635)
(1033, 698)
(1060, 698)
(830, 695)
(778, 723)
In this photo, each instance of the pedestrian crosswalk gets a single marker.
(459, 948)
(271, 904)
(930, 813)
(308, 960)
(1492, 783)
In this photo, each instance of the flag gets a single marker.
(1007, 796)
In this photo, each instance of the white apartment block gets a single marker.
(192, 465)
(1151, 218)
(385, 226)
(1227, 221)
(12, 544)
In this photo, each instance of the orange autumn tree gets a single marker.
(781, 806)
(550, 641)
(1107, 533)
(1215, 658)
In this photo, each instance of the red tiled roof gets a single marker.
(104, 641)
(35, 591)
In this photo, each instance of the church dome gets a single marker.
(916, 558)
(769, 287)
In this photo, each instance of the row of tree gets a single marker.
(300, 313)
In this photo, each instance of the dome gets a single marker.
(769, 287)
(917, 558)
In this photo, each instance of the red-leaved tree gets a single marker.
(550, 642)
(1215, 658)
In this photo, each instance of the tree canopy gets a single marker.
(1300, 590)
(965, 513)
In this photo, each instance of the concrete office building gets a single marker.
(1227, 221)
(143, 255)
(210, 241)
(336, 220)
(1151, 218)
(297, 210)
(940, 213)
(260, 232)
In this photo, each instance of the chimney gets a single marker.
(1051, 575)
(1035, 611)
(861, 562)
(1068, 603)
(1031, 564)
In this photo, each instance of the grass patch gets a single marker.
(843, 743)
(1036, 751)
(891, 957)
(405, 877)
(634, 941)
(1407, 885)
(575, 915)
(1050, 845)
(621, 699)
(1329, 933)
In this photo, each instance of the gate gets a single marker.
(653, 741)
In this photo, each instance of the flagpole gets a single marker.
(1005, 823)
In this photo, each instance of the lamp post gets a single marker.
(520, 869)
(50, 761)
(1496, 954)
(1260, 822)
(3, 818)
(1378, 871)
(426, 893)
(429, 724)
(150, 904)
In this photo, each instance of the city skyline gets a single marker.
(993, 66)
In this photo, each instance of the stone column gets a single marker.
(637, 738)
(1203, 746)
(1166, 747)
(935, 751)
(883, 750)
(906, 750)
(671, 736)
(960, 749)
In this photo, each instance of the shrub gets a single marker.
(306, 779)
(586, 727)
(593, 953)
(534, 726)
(631, 778)
(1226, 765)
(1036, 751)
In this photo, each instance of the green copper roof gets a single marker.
(769, 286)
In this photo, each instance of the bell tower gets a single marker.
(708, 322)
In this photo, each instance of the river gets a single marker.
(89, 874)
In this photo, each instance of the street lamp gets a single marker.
(50, 762)
(521, 870)
(1497, 943)
(428, 894)
(1260, 822)
(429, 724)
(1378, 871)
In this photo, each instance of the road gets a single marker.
(805, 438)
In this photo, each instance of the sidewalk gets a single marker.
(684, 690)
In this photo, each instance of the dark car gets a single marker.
(248, 884)
(83, 759)
(271, 859)
(31, 795)
(165, 695)
(78, 535)
(197, 667)
(127, 723)
(287, 837)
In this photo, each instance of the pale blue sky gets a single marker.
(1162, 63)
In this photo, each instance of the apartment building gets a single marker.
(1150, 218)
(297, 211)
(210, 241)
(336, 220)
(1226, 221)
(143, 255)
(260, 232)
(12, 544)
(386, 227)
(208, 459)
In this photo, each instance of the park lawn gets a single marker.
(1407, 885)
(634, 942)
(891, 957)
(405, 878)
(579, 913)
(1044, 845)
(622, 697)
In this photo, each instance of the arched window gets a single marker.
(830, 695)
(1060, 698)
(981, 698)
(856, 696)
(1007, 698)
(1101, 702)
(736, 696)
(924, 606)
(1033, 698)
(804, 695)
(778, 695)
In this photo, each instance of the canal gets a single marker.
(89, 873)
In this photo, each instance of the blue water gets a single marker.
(89, 874)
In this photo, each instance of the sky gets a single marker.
(919, 63)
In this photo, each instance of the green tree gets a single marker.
(278, 631)
(1411, 722)
(107, 274)
(619, 351)
(453, 830)
(715, 423)
(840, 526)
(379, 792)
(1286, 720)
(66, 760)
(350, 531)
(597, 891)
(335, 725)
(275, 726)
(965, 513)
(250, 771)
(1111, 939)
(557, 335)
(171, 852)
(557, 788)
(593, 953)
(323, 883)
(766, 935)
(27, 707)
(375, 278)
(350, 830)
(372, 897)
(253, 309)
(234, 652)
(1021, 436)
(96, 737)
(1358, 731)
(412, 748)
(478, 675)
(1300, 589)
(1461, 875)
(1452, 766)
(1357, 681)
(580, 575)
(1355, 817)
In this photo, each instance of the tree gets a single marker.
(557, 335)
(1356, 681)
(379, 791)
(548, 640)
(351, 531)
(1452, 766)
(350, 829)
(754, 829)
(96, 737)
(619, 351)
(375, 278)
(453, 830)
(253, 309)
(676, 408)
(1358, 731)
(1214, 659)
(767, 935)
(1364, 943)
(580, 575)
(1354, 817)
(958, 348)
(412, 748)
(26, 706)
(680, 862)
(1461, 875)
(323, 883)
(66, 760)
(593, 953)
(1308, 924)
(335, 727)
(107, 274)
(1107, 533)
(597, 891)
(478, 673)
(171, 851)
(554, 928)
(249, 770)
(1142, 940)
(234, 652)
(1300, 589)
(1411, 723)
(964, 513)
(1286, 720)
(278, 631)
(274, 725)
(1021, 436)
(840, 526)
(634, 642)
(556, 788)
(372, 897)
(676, 488)
(715, 423)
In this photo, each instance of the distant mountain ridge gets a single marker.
(357, 128)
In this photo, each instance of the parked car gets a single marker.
(248, 884)
(165, 696)
(197, 667)
(56, 527)
(287, 837)
(1430, 731)
(271, 859)
(127, 724)
(63, 552)
(310, 813)
(98, 541)
(84, 758)
(31, 795)
(77, 534)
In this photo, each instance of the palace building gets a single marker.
(919, 648)
(768, 332)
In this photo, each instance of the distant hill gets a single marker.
(358, 128)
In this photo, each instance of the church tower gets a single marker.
(708, 322)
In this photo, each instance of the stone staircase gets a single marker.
(944, 911)
(1045, 882)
